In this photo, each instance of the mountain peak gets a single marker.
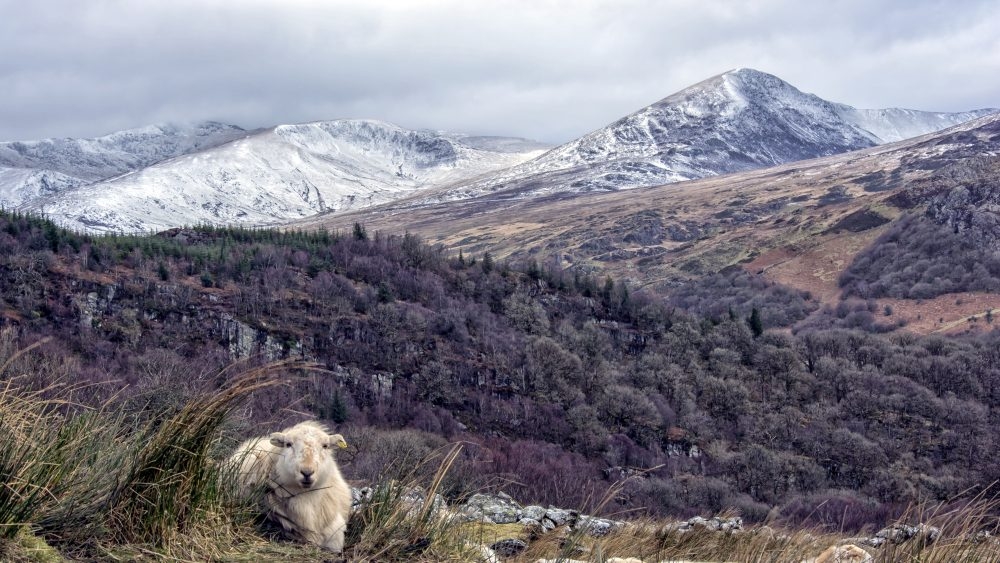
(748, 73)
(739, 120)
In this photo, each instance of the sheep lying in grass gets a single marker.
(305, 491)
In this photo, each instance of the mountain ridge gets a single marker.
(157, 178)
(279, 174)
(732, 122)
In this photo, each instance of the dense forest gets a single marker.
(559, 383)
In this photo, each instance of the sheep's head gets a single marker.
(306, 459)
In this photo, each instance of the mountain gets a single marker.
(166, 176)
(30, 169)
(283, 173)
(737, 121)
(802, 224)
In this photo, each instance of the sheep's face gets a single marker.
(306, 459)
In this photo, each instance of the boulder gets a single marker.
(495, 509)
(900, 533)
(509, 547)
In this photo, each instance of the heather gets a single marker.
(559, 383)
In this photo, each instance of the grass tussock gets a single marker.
(91, 480)
(401, 521)
(172, 484)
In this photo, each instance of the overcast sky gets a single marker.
(544, 69)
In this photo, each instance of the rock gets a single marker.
(557, 516)
(533, 530)
(496, 509)
(981, 536)
(534, 512)
(899, 533)
(875, 542)
(714, 524)
(359, 496)
(487, 555)
(415, 497)
(528, 522)
(509, 547)
(599, 527)
(729, 524)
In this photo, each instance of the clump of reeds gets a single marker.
(392, 525)
(88, 478)
(172, 483)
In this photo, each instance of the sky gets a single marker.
(549, 70)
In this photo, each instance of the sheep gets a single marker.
(304, 490)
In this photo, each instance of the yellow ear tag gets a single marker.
(342, 444)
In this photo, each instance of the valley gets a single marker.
(741, 300)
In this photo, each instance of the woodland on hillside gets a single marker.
(559, 383)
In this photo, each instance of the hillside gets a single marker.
(32, 169)
(800, 224)
(259, 178)
(557, 382)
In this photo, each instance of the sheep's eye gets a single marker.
(326, 446)
(288, 444)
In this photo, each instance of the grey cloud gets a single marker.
(550, 70)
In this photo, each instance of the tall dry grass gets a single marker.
(96, 486)
(86, 478)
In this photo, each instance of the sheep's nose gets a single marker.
(307, 473)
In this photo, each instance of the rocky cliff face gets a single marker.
(971, 207)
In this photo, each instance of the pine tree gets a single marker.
(338, 409)
(359, 232)
(756, 325)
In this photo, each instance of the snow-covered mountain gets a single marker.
(283, 173)
(30, 169)
(165, 176)
(740, 120)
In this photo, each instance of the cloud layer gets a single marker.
(544, 69)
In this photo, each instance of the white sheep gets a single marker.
(304, 490)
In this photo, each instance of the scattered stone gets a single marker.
(534, 512)
(715, 524)
(533, 530)
(557, 516)
(899, 533)
(487, 555)
(415, 497)
(359, 496)
(495, 509)
(981, 536)
(509, 547)
(598, 527)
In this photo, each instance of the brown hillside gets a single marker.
(800, 224)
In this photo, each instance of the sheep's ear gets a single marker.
(338, 440)
(279, 440)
